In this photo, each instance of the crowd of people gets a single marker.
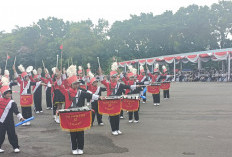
(204, 75)
(71, 88)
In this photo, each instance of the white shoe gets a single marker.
(16, 150)
(57, 120)
(130, 121)
(41, 111)
(136, 121)
(74, 152)
(1, 150)
(157, 104)
(119, 132)
(154, 104)
(115, 133)
(48, 108)
(28, 123)
(143, 102)
(80, 152)
(101, 124)
(37, 112)
(24, 124)
(121, 117)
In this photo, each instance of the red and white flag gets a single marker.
(8, 57)
(61, 46)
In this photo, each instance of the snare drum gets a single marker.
(110, 105)
(130, 102)
(154, 88)
(165, 85)
(76, 119)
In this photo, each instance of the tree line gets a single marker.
(190, 29)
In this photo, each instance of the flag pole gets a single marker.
(98, 62)
(14, 60)
(57, 60)
(61, 55)
(43, 64)
(6, 61)
(61, 61)
(6, 64)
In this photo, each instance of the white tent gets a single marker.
(194, 57)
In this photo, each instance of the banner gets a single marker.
(130, 104)
(142, 61)
(26, 100)
(110, 107)
(169, 60)
(122, 64)
(74, 121)
(165, 86)
(153, 89)
(150, 61)
(221, 55)
(193, 58)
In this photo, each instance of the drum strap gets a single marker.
(114, 90)
(74, 99)
(143, 79)
(5, 108)
(24, 92)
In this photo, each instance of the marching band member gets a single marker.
(48, 81)
(155, 78)
(7, 108)
(114, 88)
(37, 90)
(126, 78)
(58, 97)
(95, 89)
(25, 90)
(165, 76)
(142, 78)
(74, 98)
(132, 81)
(54, 107)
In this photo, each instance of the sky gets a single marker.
(26, 12)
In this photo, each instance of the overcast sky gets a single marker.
(25, 12)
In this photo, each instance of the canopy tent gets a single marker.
(194, 57)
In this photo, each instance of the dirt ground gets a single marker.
(195, 121)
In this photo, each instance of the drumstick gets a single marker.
(57, 60)
(98, 62)
(27, 120)
(43, 64)
(150, 84)
(14, 60)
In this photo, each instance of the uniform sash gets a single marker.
(5, 105)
